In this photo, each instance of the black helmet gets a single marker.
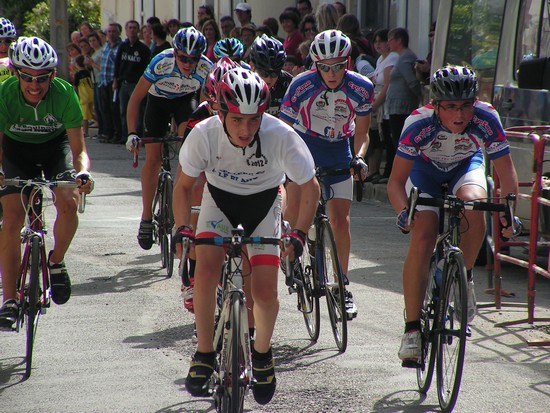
(267, 53)
(453, 83)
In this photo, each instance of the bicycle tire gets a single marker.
(308, 300)
(451, 328)
(424, 373)
(167, 223)
(33, 304)
(359, 190)
(334, 287)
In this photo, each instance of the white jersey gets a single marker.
(239, 171)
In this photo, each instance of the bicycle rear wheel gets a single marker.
(334, 287)
(165, 226)
(424, 373)
(32, 311)
(451, 327)
(308, 300)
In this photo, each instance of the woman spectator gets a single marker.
(172, 28)
(212, 33)
(73, 50)
(308, 27)
(205, 12)
(290, 21)
(95, 62)
(327, 17)
(86, 29)
(159, 40)
(146, 35)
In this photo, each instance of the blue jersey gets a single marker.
(424, 138)
(167, 80)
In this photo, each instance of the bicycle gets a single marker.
(163, 217)
(319, 273)
(444, 326)
(33, 283)
(231, 338)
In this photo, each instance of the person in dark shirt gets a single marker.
(159, 38)
(131, 60)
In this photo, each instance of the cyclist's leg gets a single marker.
(149, 178)
(266, 304)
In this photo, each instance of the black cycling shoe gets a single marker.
(197, 381)
(265, 382)
(8, 314)
(60, 282)
(145, 234)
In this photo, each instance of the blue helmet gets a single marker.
(229, 47)
(267, 53)
(190, 41)
(7, 29)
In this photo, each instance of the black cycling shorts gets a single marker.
(159, 112)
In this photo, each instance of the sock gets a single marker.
(469, 275)
(412, 326)
(204, 356)
(261, 356)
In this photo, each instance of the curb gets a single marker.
(376, 192)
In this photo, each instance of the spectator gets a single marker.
(291, 65)
(211, 31)
(349, 24)
(159, 39)
(226, 25)
(304, 8)
(75, 36)
(244, 14)
(94, 61)
(73, 50)
(146, 36)
(404, 90)
(86, 29)
(205, 12)
(327, 17)
(151, 21)
(273, 25)
(423, 67)
(260, 30)
(304, 54)
(102, 36)
(85, 48)
(290, 21)
(172, 27)
(85, 92)
(248, 34)
(340, 8)
(308, 27)
(109, 99)
(131, 61)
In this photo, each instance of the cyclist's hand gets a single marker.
(183, 232)
(132, 143)
(360, 167)
(84, 182)
(295, 239)
(401, 221)
(509, 231)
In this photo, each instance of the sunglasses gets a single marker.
(268, 73)
(6, 41)
(39, 79)
(187, 59)
(336, 67)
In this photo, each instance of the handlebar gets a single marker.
(147, 140)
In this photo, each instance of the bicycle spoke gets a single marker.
(308, 301)
(32, 310)
(424, 373)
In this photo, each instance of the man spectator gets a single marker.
(109, 98)
(304, 7)
(131, 60)
(244, 14)
(159, 40)
(226, 25)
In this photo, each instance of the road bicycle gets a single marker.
(231, 338)
(444, 327)
(33, 283)
(163, 217)
(319, 273)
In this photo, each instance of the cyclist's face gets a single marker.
(455, 115)
(241, 128)
(186, 63)
(34, 84)
(335, 75)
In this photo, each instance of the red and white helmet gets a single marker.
(242, 91)
(329, 45)
(222, 66)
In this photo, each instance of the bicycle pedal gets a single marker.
(411, 364)
(291, 290)
(468, 331)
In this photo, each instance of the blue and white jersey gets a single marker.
(167, 80)
(323, 113)
(424, 138)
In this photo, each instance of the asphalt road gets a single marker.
(123, 341)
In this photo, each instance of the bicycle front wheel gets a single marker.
(451, 326)
(32, 311)
(308, 300)
(166, 223)
(331, 272)
(424, 373)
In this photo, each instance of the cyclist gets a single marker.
(8, 34)
(232, 48)
(442, 143)
(245, 154)
(327, 106)
(267, 58)
(40, 131)
(170, 82)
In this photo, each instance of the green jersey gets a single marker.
(58, 111)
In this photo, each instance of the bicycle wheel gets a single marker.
(424, 373)
(451, 327)
(166, 223)
(308, 300)
(334, 287)
(33, 301)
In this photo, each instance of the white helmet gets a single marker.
(32, 53)
(242, 91)
(7, 29)
(329, 45)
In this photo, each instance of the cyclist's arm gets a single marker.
(181, 200)
(507, 174)
(309, 198)
(81, 161)
(133, 104)
(400, 172)
(361, 139)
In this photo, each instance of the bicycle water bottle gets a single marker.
(439, 272)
